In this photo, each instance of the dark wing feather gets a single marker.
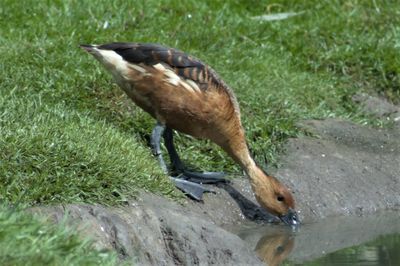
(150, 54)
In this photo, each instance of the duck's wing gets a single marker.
(183, 65)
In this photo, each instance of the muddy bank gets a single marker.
(153, 231)
(343, 170)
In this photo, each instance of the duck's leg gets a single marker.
(191, 189)
(156, 145)
(203, 178)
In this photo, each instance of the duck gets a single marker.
(184, 94)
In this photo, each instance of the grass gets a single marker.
(50, 154)
(68, 134)
(25, 240)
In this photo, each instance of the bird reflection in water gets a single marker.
(275, 248)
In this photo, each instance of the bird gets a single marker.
(186, 95)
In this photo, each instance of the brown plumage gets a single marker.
(184, 94)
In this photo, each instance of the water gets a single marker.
(369, 240)
(385, 250)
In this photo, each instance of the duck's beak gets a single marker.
(291, 218)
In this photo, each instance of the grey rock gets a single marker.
(379, 107)
(152, 232)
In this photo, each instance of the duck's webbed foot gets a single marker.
(191, 189)
(200, 178)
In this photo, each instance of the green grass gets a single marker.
(26, 240)
(56, 154)
(68, 134)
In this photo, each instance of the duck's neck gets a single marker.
(240, 154)
(238, 150)
(262, 184)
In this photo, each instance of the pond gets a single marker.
(367, 240)
(385, 250)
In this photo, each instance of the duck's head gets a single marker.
(275, 197)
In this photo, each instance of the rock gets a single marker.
(347, 169)
(146, 233)
(377, 106)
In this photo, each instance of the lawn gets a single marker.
(27, 241)
(69, 134)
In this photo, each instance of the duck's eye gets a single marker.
(280, 198)
(280, 249)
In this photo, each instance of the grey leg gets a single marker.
(156, 145)
(173, 155)
(191, 189)
(202, 178)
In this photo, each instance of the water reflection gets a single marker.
(333, 241)
(382, 251)
(274, 248)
